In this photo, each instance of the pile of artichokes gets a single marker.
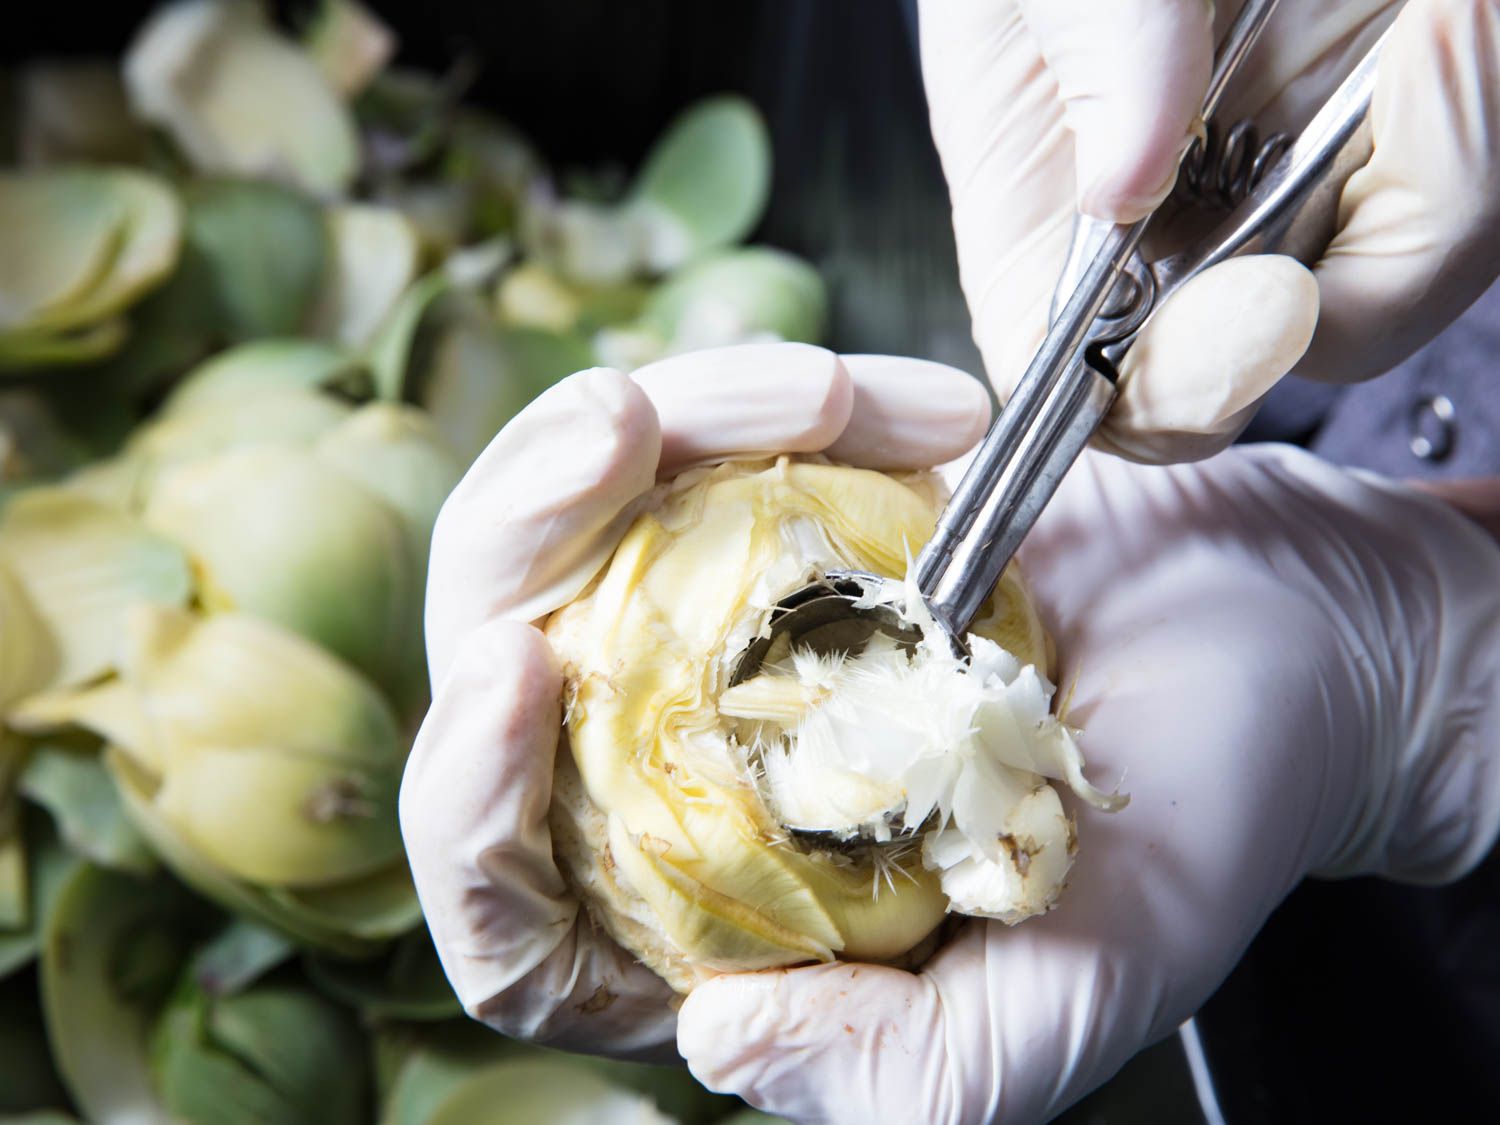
(263, 297)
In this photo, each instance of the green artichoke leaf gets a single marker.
(374, 256)
(96, 1028)
(257, 253)
(237, 956)
(84, 566)
(276, 416)
(75, 789)
(739, 295)
(238, 97)
(78, 247)
(275, 533)
(389, 353)
(31, 350)
(705, 182)
(520, 1091)
(397, 453)
(151, 242)
(268, 366)
(349, 45)
(75, 112)
(473, 376)
(405, 983)
(273, 1053)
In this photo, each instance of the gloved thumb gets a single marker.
(804, 1043)
(1202, 364)
(1131, 75)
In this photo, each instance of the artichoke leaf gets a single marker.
(274, 533)
(406, 983)
(29, 657)
(273, 1053)
(75, 788)
(238, 97)
(353, 932)
(237, 956)
(705, 183)
(85, 566)
(268, 367)
(555, 1089)
(349, 44)
(374, 256)
(59, 235)
(97, 1031)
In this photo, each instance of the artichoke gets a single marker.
(672, 802)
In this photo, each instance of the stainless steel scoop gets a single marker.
(1106, 294)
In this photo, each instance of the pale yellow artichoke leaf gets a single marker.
(269, 366)
(349, 44)
(29, 657)
(374, 256)
(238, 97)
(238, 682)
(85, 567)
(60, 232)
(150, 245)
(110, 710)
(116, 482)
(274, 532)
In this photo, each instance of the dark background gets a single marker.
(1360, 1001)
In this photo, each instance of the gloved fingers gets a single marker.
(1202, 364)
(909, 413)
(879, 412)
(473, 810)
(830, 1043)
(1131, 75)
(746, 400)
(1419, 224)
(540, 509)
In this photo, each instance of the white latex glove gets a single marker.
(1292, 669)
(536, 517)
(1040, 104)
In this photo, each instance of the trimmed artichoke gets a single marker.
(661, 809)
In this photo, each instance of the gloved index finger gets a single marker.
(540, 509)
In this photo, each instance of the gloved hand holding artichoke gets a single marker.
(651, 548)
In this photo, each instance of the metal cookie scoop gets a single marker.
(1106, 294)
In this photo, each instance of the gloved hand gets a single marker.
(1290, 668)
(1038, 104)
(536, 517)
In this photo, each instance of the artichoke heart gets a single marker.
(674, 792)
